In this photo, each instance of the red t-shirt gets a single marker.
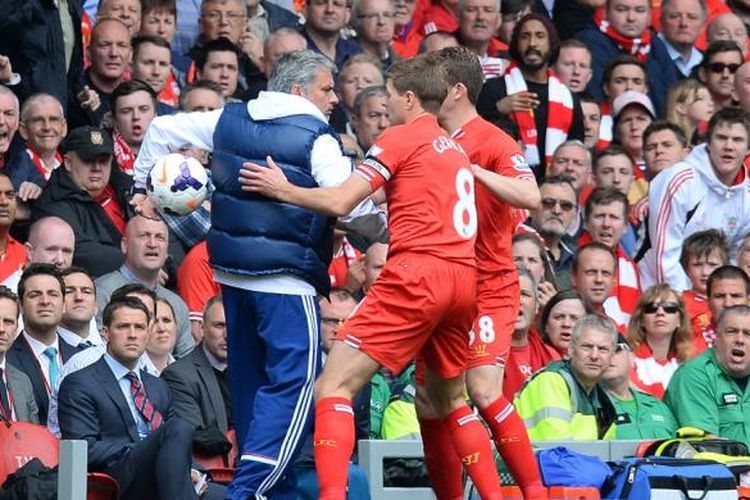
(195, 281)
(13, 259)
(430, 190)
(697, 310)
(494, 150)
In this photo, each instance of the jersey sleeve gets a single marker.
(512, 163)
(384, 158)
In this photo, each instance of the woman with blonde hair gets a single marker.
(689, 105)
(661, 337)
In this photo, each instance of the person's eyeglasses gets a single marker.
(667, 307)
(565, 205)
(332, 321)
(622, 346)
(718, 67)
(215, 15)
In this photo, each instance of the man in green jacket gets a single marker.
(566, 400)
(639, 415)
(711, 392)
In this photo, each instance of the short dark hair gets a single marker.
(130, 289)
(38, 269)
(460, 65)
(159, 41)
(341, 294)
(659, 125)
(727, 272)
(554, 40)
(423, 79)
(611, 150)
(78, 270)
(717, 47)
(604, 196)
(622, 60)
(559, 180)
(568, 294)
(594, 245)
(126, 302)
(198, 84)
(221, 44)
(729, 116)
(131, 87)
(169, 6)
(515, 6)
(7, 293)
(702, 243)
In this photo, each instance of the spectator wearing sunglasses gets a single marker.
(660, 334)
(639, 415)
(553, 219)
(721, 61)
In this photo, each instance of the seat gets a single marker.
(23, 441)
(220, 467)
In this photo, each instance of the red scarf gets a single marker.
(39, 163)
(108, 201)
(638, 47)
(123, 154)
(170, 94)
(559, 115)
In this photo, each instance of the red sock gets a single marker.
(512, 442)
(442, 461)
(333, 443)
(473, 446)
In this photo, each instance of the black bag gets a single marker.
(33, 481)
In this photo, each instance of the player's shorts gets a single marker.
(492, 330)
(419, 304)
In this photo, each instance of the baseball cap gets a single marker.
(629, 97)
(88, 142)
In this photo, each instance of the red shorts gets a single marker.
(419, 305)
(497, 310)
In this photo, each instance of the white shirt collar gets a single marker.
(38, 347)
(212, 359)
(2, 365)
(118, 368)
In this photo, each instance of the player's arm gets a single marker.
(518, 192)
(335, 201)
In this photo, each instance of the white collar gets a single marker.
(38, 347)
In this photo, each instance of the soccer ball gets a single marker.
(177, 184)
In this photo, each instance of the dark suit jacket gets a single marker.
(21, 356)
(279, 17)
(23, 395)
(196, 396)
(93, 408)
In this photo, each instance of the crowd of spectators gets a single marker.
(634, 315)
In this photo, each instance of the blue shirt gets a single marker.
(120, 371)
(685, 67)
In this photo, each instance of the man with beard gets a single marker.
(552, 220)
(530, 94)
(708, 189)
(710, 391)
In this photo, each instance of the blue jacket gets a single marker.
(661, 70)
(252, 235)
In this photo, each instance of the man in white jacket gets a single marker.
(710, 188)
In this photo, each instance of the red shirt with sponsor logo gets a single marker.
(494, 150)
(430, 190)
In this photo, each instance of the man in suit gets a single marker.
(199, 386)
(16, 394)
(38, 351)
(125, 415)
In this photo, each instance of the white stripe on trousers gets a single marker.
(302, 407)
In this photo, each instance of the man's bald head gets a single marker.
(51, 241)
(728, 27)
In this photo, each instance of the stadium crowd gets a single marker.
(633, 296)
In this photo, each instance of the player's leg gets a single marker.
(443, 463)
(282, 409)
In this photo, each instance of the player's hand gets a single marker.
(268, 181)
(143, 205)
(252, 46)
(521, 101)
(89, 99)
(545, 291)
(28, 191)
(6, 70)
(355, 275)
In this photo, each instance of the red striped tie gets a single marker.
(144, 405)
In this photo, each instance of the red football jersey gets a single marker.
(430, 190)
(494, 150)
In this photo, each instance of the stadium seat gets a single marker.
(220, 467)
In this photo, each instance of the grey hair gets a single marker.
(357, 9)
(595, 322)
(739, 309)
(282, 32)
(462, 5)
(36, 98)
(298, 68)
(240, 3)
(366, 93)
(665, 4)
(525, 273)
(6, 91)
(578, 144)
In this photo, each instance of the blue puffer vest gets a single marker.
(252, 235)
